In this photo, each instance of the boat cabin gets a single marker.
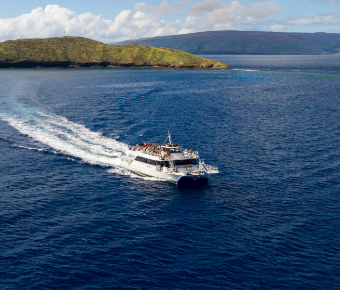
(166, 158)
(172, 148)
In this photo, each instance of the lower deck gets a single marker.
(164, 173)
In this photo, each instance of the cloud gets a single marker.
(203, 16)
(143, 7)
(326, 19)
(198, 9)
(329, 1)
(222, 14)
(163, 8)
(261, 10)
(225, 14)
(54, 20)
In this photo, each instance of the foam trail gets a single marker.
(70, 138)
(62, 135)
(30, 148)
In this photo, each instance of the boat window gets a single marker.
(141, 159)
(164, 163)
(150, 161)
(172, 150)
(185, 162)
(146, 160)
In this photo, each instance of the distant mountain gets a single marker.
(83, 52)
(247, 42)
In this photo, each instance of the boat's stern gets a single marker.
(193, 179)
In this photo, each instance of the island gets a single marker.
(83, 52)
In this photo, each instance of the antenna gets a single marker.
(169, 137)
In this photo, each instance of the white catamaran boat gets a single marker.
(168, 162)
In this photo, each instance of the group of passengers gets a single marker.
(157, 150)
(152, 150)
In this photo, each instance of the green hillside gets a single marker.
(83, 52)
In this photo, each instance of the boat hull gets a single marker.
(170, 177)
(196, 182)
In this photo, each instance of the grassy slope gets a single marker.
(78, 50)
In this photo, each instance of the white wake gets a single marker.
(64, 136)
(68, 137)
(56, 132)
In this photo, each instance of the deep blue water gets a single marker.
(70, 218)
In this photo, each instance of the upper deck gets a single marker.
(169, 151)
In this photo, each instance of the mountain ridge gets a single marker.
(247, 42)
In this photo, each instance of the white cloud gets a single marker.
(225, 14)
(198, 9)
(143, 7)
(163, 8)
(203, 16)
(222, 15)
(261, 10)
(54, 20)
(326, 19)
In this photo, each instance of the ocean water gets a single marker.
(71, 218)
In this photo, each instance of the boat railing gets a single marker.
(207, 168)
(191, 156)
(212, 169)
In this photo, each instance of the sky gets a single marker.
(111, 21)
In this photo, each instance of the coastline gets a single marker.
(99, 65)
